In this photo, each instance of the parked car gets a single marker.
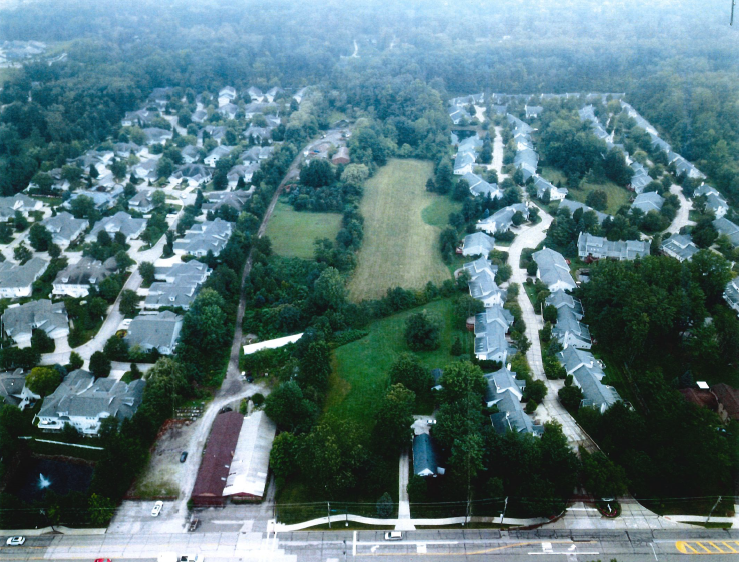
(431, 422)
(193, 524)
(226, 409)
(183, 456)
(103, 560)
(15, 541)
(249, 379)
(393, 536)
(157, 508)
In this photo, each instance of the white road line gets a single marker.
(354, 544)
(653, 551)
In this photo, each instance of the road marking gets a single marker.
(654, 551)
(354, 544)
(470, 553)
(727, 545)
(707, 547)
(421, 548)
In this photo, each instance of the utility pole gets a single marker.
(714, 507)
(328, 512)
(505, 506)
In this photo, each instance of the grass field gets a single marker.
(292, 233)
(401, 246)
(361, 368)
(617, 196)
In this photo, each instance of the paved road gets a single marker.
(427, 545)
(550, 409)
(683, 214)
(404, 506)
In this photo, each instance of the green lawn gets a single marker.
(617, 196)
(437, 213)
(361, 368)
(293, 233)
(401, 241)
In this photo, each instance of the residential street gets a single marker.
(550, 409)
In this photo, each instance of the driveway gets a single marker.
(498, 154)
(550, 409)
(683, 214)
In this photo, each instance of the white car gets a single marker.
(393, 536)
(15, 541)
(157, 508)
(431, 422)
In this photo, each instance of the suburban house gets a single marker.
(14, 391)
(500, 382)
(178, 294)
(204, 237)
(425, 462)
(463, 162)
(158, 331)
(154, 135)
(228, 110)
(587, 373)
(120, 222)
(258, 134)
(16, 281)
(731, 294)
(650, 201)
(573, 206)
(679, 246)
(491, 327)
(479, 187)
(477, 244)
(190, 154)
(141, 118)
(216, 154)
(64, 228)
(19, 321)
(544, 187)
(199, 116)
(553, 270)
(255, 108)
(482, 283)
(84, 402)
(714, 200)
(502, 219)
(241, 171)
(569, 331)
(527, 160)
(727, 228)
(256, 154)
(226, 95)
(560, 299)
(193, 270)
(728, 401)
(76, 279)
(216, 132)
(18, 203)
(214, 200)
(683, 167)
(587, 113)
(458, 114)
(505, 391)
(146, 168)
(533, 111)
(195, 174)
(597, 247)
(255, 94)
(142, 202)
(641, 178)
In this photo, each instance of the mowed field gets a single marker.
(293, 233)
(399, 249)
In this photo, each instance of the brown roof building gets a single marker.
(700, 397)
(341, 156)
(216, 463)
(728, 401)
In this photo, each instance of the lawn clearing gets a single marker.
(617, 195)
(400, 248)
(360, 374)
(293, 233)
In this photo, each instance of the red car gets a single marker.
(103, 560)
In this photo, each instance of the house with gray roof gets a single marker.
(216, 132)
(76, 279)
(241, 171)
(458, 113)
(553, 270)
(512, 417)
(84, 402)
(680, 247)
(142, 201)
(179, 294)
(190, 154)
(727, 228)
(20, 321)
(482, 283)
(463, 163)
(491, 327)
(64, 228)
(192, 270)
(204, 237)
(18, 203)
(588, 374)
(154, 135)
(569, 331)
(255, 108)
(121, 222)
(158, 331)
(573, 206)
(195, 174)
(228, 110)
(731, 294)
(256, 154)
(214, 200)
(533, 111)
(258, 134)
(714, 200)
(502, 219)
(560, 299)
(140, 118)
(16, 281)
(597, 247)
(425, 461)
(477, 244)
(500, 382)
(14, 391)
(199, 116)
(527, 160)
(216, 154)
(544, 187)
(641, 178)
(650, 201)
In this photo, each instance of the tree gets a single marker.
(535, 390)
(287, 407)
(129, 301)
(461, 190)
(394, 420)
(41, 341)
(93, 171)
(355, 174)
(317, 173)
(75, 361)
(118, 168)
(43, 380)
(457, 347)
(423, 331)
(83, 207)
(21, 253)
(570, 397)
(550, 314)
(146, 269)
(385, 506)
(39, 237)
(101, 510)
(116, 349)
(597, 199)
(283, 454)
(165, 167)
(315, 365)
(97, 308)
(462, 379)
(601, 476)
(704, 233)
(616, 168)
(330, 290)
(444, 174)
(166, 385)
(408, 371)
(158, 198)
(220, 180)
(99, 365)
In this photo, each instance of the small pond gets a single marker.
(36, 475)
